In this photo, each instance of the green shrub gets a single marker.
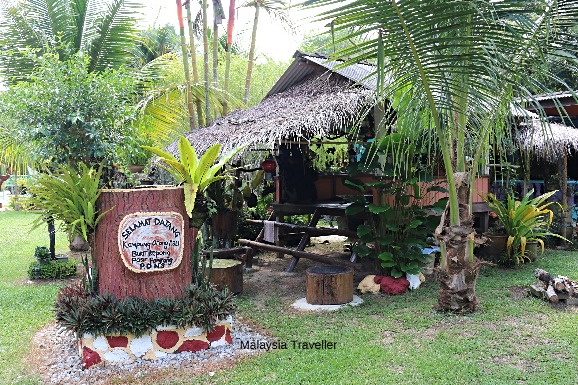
(42, 254)
(52, 269)
(84, 312)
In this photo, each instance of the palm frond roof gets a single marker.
(548, 140)
(308, 101)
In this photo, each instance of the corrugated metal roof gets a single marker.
(306, 64)
(363, 74)
(554, 95)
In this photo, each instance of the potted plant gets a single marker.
(496, 239)
(137, 159)
(524, 221)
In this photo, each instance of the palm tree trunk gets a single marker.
(251, 54)
(206, 63)
(193, 49)
(230, 25)
(190, 104)
(215, 53)
(458, 266)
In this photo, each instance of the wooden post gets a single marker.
(329, 285)
(130, 259)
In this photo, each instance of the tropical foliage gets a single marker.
(83, 312)
(195, 173)
(524, 221)
(67, 113)
(104, 30)
(455, 68)
(69, 195)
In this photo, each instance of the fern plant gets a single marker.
(69, 195)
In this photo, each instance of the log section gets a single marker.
(329, 285)
(228, 274)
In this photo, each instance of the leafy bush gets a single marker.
(42, 254)
(84, 312)
(52, 269)
(396, 232)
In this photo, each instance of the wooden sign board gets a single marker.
(151, 241)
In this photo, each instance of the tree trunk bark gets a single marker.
(124, 276)
(458, 266)
(251, 56)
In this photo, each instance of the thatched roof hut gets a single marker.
(549, 141)
(308, 101)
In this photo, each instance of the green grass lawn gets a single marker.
(24, 308)
(512, 339)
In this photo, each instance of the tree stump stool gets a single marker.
(329, 285)
(227, 273)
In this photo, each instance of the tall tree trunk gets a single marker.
(230, 25)
(215, 53)
(458, 266)
(251, 54)
(190, 104)
(206, 63)
(193, 49)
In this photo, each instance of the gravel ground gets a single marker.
(55, 358)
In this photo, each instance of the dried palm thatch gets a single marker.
(548, 141)
(318, 107)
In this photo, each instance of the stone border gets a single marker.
(164, 340)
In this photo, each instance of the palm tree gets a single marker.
(189, 98)
(454, 68)
(193, 49)
(103, 29)
(228, 47)
(275, 8)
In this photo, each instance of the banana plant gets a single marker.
(195, 173)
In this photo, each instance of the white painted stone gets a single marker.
(160, 354)
(166, 327)
(414, 281)
(100, 343)
(220, 342)
(117, 356)
(193, 332)
(139, 346)
(302, 304)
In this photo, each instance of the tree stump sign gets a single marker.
(143, 243)
(151, 241)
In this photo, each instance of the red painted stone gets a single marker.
(228, 337)
(89, 358)
(216, 334)
(117, 341)
(394, 286)
(193, 346)
(167, 339)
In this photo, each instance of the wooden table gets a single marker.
(317, 210)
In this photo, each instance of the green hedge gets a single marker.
(52, 269)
